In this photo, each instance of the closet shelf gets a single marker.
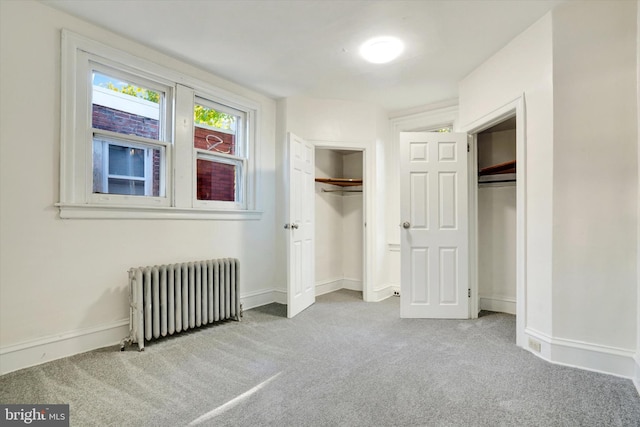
(501, 168)
(342, 182)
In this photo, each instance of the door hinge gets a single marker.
(469, 293)
(468, 147)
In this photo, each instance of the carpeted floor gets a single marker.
(341, 362)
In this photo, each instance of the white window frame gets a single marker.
(178, 178)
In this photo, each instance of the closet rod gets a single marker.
(341, 191)
(496, 181)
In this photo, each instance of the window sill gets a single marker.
(78, 211)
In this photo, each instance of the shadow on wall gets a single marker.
(113, 304)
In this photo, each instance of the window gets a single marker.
(142, 141)
(129, 136)
(220, 150)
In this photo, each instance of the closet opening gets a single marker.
(496, 217)
(340, 220)
(497, 226)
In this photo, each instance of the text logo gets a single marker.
(34, 415)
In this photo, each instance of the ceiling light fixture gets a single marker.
(381, 50)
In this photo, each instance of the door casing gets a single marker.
(514, 108)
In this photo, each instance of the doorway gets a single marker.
(340, 225)
(499, 297)
(496, 164)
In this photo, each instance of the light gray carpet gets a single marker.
(341, 362)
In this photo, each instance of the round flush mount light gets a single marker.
(380, 50)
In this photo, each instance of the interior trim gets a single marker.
(591, 357)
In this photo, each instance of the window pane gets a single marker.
(122, 169)
(125, 107)
(216, 181)
(126, 161)
(215, 131)
(126, 186)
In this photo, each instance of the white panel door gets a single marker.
(434, 246)
(300, 225)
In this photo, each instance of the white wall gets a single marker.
(331, 120)
(282, 201)
(329, 164)
(63, 283)
(637, 357)
(595, 173)
(353, 217)
(496, 147)
(352, 165)
(329, 228)
(523, 67)
(497, 226)
(497, 247)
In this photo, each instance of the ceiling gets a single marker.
(310, 47)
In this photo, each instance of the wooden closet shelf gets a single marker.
(506, 167)
(342, 182)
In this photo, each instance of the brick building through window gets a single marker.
(216, 180)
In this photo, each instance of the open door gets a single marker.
(434, 248)
(300, 225)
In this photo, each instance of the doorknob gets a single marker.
(294, 226)
(406, 224)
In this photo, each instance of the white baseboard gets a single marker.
(279, 296)
(382, 293)
(578, 354)
(636, 377)
(352, 284)
(46, 349)
(328, 286)
(337, 284)
(258, 298)
(497, 303)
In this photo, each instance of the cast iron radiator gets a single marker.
(172, 298)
